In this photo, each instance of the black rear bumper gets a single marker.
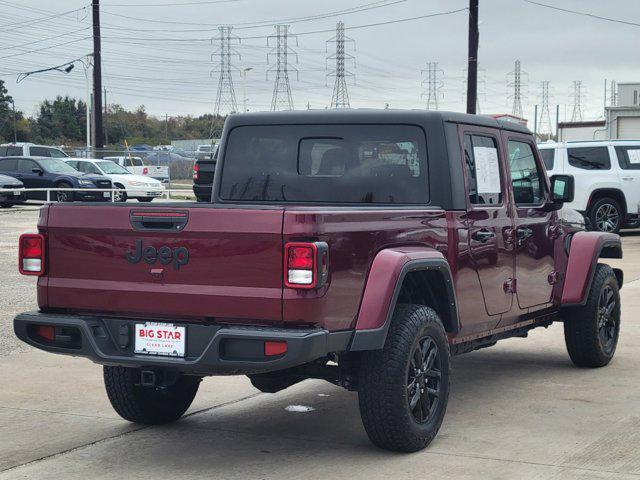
(210, 349)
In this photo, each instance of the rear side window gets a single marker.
(547, 155)
(39, 152)
(384, 164)
(10, 151)
(589, 158)
(629, 157)
(482, 165)
(9, 165)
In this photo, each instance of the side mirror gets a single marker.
(562, 188)
(38, 171)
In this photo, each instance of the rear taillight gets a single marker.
(196, 171)
(145, 171)
(31, 254)
(305, 264)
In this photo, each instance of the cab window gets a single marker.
(548, 155)
(482, 167)
(526, 178)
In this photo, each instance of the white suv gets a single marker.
(26, 149)
(607, 179)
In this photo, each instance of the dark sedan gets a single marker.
(43, 172)
(9, 199)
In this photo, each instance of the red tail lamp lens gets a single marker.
(301, 258)
(196, 171)
(272, 348)
(32, 247)
(31, 253)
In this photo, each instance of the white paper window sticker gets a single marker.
(487, 170)
(634, 156)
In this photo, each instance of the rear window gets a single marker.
(8, 151)
(383, 164)
(547, 155)
(589, 158)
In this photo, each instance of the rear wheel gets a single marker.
(404, 388)
(591, 331)
(63, 196)
(606, 215)
(163, 403)
(145, 199)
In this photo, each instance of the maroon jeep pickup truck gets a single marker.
(359, 247)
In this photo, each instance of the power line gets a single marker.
(30, 22)
(340, 95)
(584, 14)
(282, 99)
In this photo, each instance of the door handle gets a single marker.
(627, 178)
(483, 235)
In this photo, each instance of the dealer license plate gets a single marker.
(106, 194)
(162, 339)
(17, 193)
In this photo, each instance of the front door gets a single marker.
(489, 216)
(536, 229)
(32, 179)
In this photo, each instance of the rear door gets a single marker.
(206, 263)
(535, 228)
(489, 216)
(628, 163)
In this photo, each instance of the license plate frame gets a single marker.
(160, 339)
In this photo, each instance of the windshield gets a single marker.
(55, 153)
(109, 167)
(56, 166)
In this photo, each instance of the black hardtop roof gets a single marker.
(365, 115)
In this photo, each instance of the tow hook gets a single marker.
(148, 378)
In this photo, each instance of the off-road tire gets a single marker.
(603, 202)
(383, 382)
(148, 405)
(582, 333)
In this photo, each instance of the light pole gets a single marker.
(66, 68)
(243, 75)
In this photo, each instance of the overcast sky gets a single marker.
(157, 53)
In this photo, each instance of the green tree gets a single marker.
(61, 121)
(6, 114)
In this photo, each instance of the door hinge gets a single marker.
(510, 286)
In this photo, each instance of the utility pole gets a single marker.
(434, 84)
(472, 68)
(15, 132)
(226, 96)
(282, 99)
(340, 96)
(545, 115)
(576, 97)
(97, 78)
(106, 118)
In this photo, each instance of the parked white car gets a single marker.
(140, 187)
(607, 179)
(138, 166)
(27, 149)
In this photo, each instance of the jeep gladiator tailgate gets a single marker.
(171, 262)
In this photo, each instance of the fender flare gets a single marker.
(585, 249)
(384, 282)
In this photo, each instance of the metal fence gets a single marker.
(50, 192)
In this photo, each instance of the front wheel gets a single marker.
(404, 388)
(64, 196)
(6, 205)
(591, 331)
(606, 215)
(163, 403)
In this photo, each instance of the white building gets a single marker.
(580, 131)
(623, 119)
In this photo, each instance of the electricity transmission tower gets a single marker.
(433, 85)
(281, 99)
(340, 96)
(515, 84)
(226, 97)
(544, 123)
(576, 98)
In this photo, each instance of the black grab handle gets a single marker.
(158, 220)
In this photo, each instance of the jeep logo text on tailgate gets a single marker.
(178, 256)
